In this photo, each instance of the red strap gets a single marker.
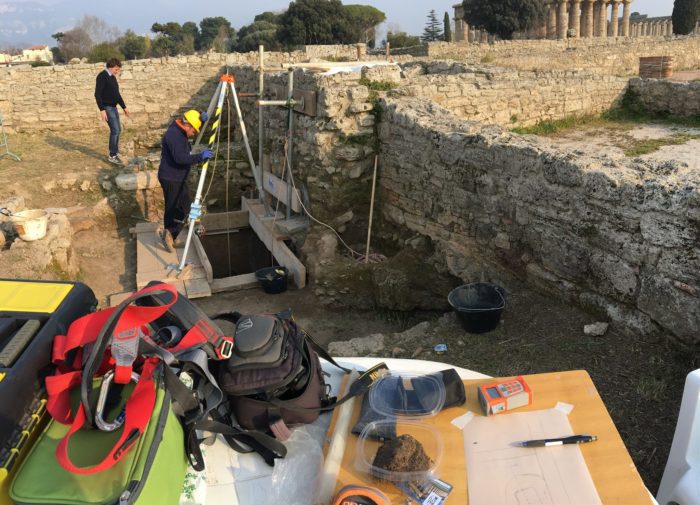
(58, 388)
(86, 329)
(139, 408)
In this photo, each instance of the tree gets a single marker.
(98, 29)
(503, 17)
(685, 16)
(58, 56)
(316, 22)
(104, 51)
(132, 46)
(75, 43)
(365, 19)
(190, 30)
(400, 39)
(448, 28)
(433, 30)
(259, 32)
(270, 17)
(216, 33)
(172, 39)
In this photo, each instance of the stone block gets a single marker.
(674, 309)
(667, 231)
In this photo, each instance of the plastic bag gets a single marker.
(295, 478)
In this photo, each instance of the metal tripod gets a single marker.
(3, 144)
(226, 84)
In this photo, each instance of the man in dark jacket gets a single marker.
(176, 160)
(108, 97)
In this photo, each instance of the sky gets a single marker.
(33, 21)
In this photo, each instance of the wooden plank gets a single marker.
(197, 288)
(225, 220)
(143, 227)
(203, 258)
(614, 474)
(235, 283)
(273, 241)
(117, 298)
(151, 256)
(278, 188)
(144, 278)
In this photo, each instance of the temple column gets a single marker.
(602, 18)
(575, 17)
(588, 7)
(614, 18)
(562, 20)
(484, 37)
(626, 18)
(551, 20)
(465, 31)
(458, 30)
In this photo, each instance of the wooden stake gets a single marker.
(371, 209)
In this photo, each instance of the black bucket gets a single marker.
(478, 306)
(273, 279)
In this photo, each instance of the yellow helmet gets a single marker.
(192, 117)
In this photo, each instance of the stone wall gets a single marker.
(615, 235)
(511, 97)
(666, 97)
(348, 52)
(614, 56)
(155, 90)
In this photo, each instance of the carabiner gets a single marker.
(102, 399)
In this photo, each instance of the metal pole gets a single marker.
(196, 206)
(210, 111)
(290, 141)
(371, 210)
(261, 90)
(257, 175)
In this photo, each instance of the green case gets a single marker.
(151, 472)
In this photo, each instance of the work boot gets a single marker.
(180, 240)
(167, 239)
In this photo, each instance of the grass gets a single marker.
(378, 85)
(554, 126)
(640, 147)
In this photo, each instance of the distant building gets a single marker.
(37, 53)
(5, 59)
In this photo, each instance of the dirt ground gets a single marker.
(640, 381)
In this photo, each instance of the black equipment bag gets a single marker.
(274, 376)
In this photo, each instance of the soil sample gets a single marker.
(402, 454)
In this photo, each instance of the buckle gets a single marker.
(225, 348)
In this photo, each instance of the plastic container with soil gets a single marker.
(478, 306)
(273, 279)
(413, 455)
(407, 395)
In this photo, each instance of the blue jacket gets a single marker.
(176, 159)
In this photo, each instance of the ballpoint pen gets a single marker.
(574, 439)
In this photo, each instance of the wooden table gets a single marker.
(611, 467)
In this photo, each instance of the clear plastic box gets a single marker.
(428, 436)
(407, 395)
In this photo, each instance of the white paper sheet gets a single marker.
(501, 474)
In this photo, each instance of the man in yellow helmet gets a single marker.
(176, 161)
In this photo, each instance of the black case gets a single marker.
(22, 384)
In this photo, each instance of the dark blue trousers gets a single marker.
(177, 204)
(115, 129)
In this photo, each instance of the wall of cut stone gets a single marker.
(615, 235)
(666, 97)
(347, 52)
(155, 90)
(511, 97)
(614, 56)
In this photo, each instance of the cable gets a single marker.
(291, 177)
